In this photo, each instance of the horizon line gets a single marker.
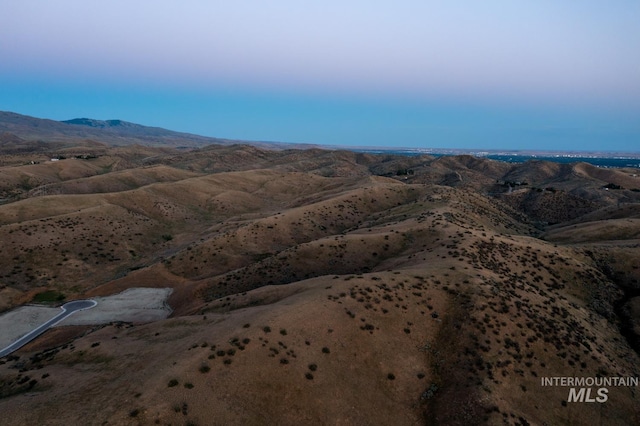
(425, 149)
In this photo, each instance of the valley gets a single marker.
(318, 286)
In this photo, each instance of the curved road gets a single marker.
(67, 309)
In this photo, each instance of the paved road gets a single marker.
(67, 309)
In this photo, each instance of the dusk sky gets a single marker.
(543, 74)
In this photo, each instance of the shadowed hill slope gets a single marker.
(319, 287)
(116, 132)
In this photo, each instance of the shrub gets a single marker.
(172, 383)
(49, 296)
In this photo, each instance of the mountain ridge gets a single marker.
(115, 132)
(303, 279)
(91, 122)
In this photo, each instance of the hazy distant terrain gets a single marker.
(314, 286)
(26, 134)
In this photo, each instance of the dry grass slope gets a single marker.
(323, 287)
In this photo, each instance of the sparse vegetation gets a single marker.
(48, 296)
(376, 274)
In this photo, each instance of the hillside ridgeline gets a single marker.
(316, 286)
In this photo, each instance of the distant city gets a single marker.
(600, 159)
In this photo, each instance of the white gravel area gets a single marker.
(18, 322)
(136, 305)
(132, 305)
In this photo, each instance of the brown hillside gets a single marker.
(321, 287)
(550, 206)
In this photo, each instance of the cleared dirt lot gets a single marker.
(18, 322)
(133, 305)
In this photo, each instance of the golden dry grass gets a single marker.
(436, 304)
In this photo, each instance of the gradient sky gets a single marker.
(543, 74)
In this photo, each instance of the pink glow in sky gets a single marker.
(537, 48)
(546, 52)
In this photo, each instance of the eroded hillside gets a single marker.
(322, 287)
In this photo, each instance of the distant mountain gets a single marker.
(446, 286)
(101, 124)
(9, 138)
(127, 129)
(113, 132)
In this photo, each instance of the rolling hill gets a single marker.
(113, 132)
(318, 286)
